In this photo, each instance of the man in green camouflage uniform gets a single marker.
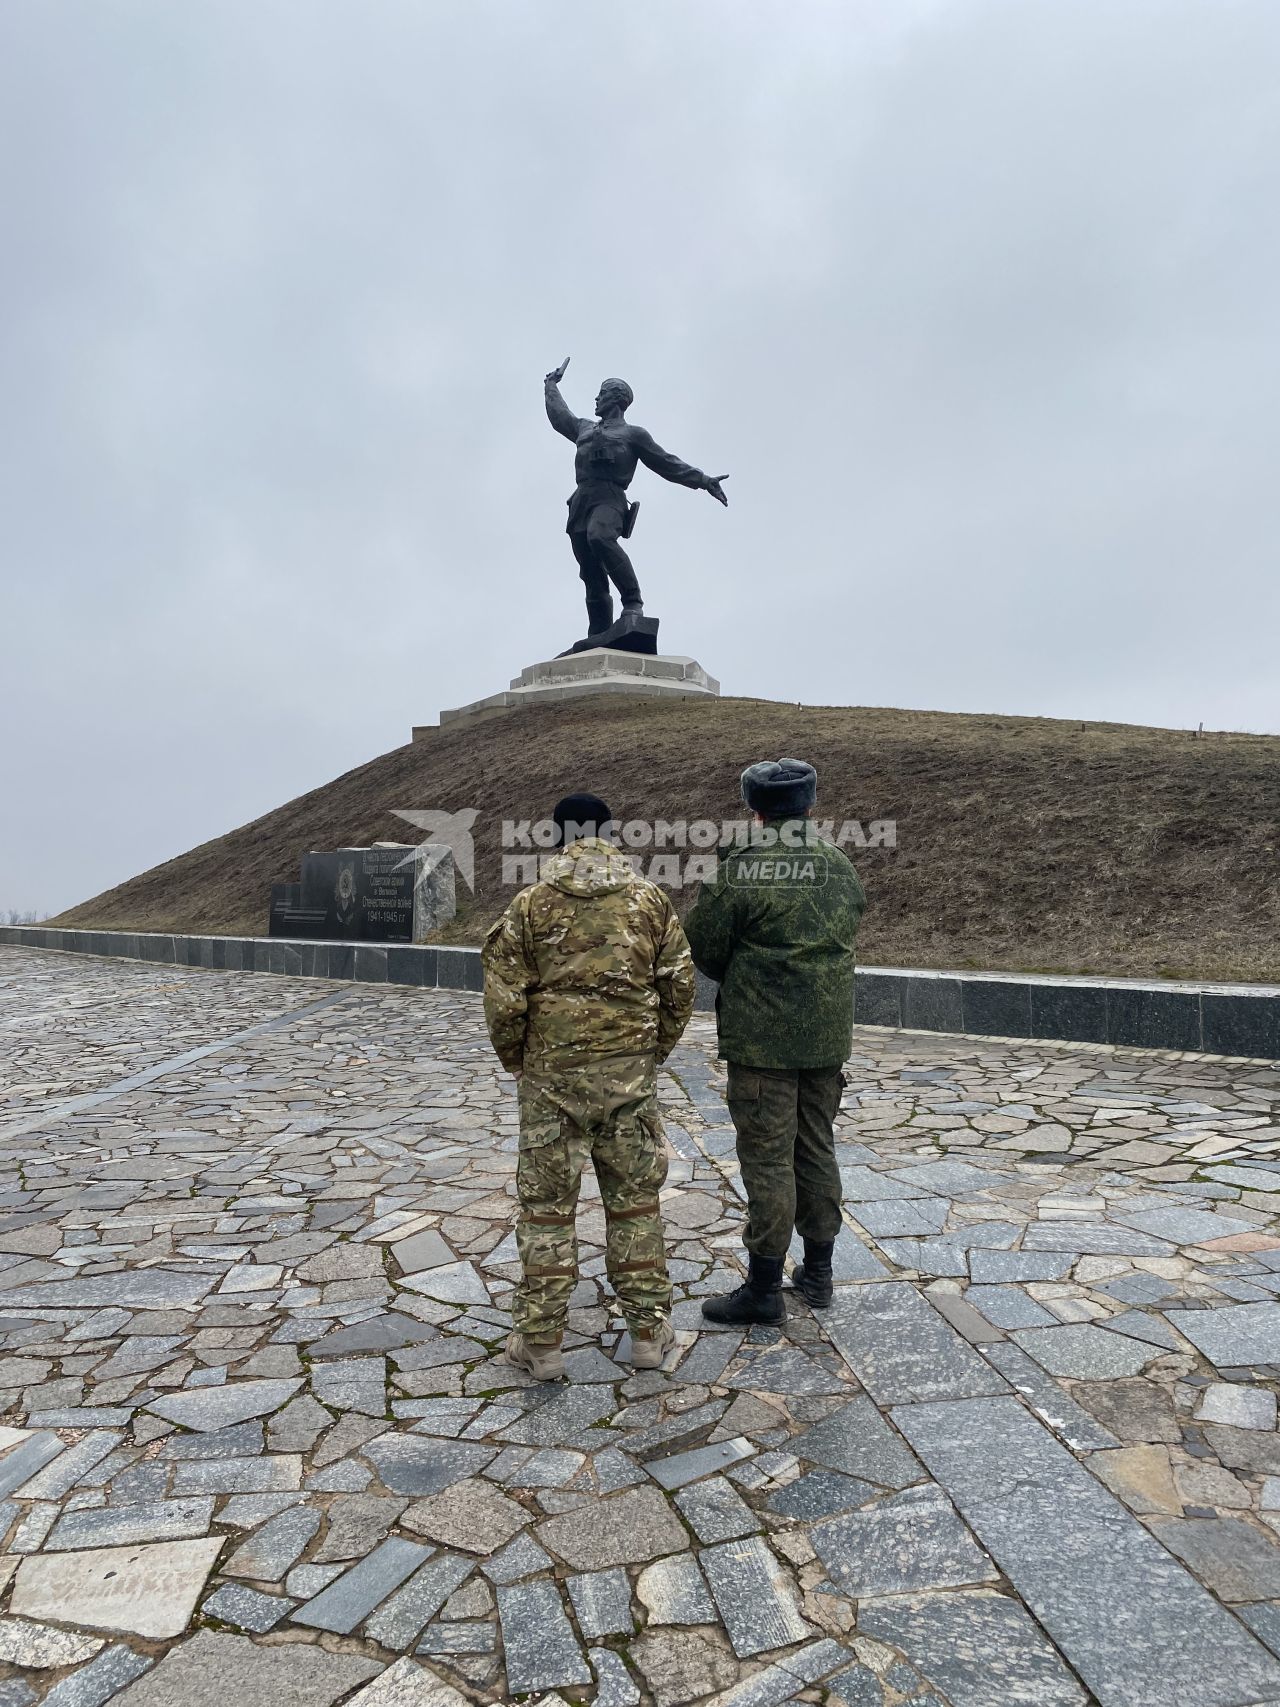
(588, 984)
(776, 928)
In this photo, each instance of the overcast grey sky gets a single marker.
(977, 302)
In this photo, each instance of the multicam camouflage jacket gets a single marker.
(776, 927)
(588, 961)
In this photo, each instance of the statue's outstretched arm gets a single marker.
(672, 468)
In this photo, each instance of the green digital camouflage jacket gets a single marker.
(775, 927)
(588, 961)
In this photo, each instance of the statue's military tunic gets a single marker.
(588, 985)
(776, 929)
(605, 458)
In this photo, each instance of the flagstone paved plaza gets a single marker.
(258, 1446)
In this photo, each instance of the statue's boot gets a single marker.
(599, 615)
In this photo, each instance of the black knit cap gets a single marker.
(586, 813)
(781, 788)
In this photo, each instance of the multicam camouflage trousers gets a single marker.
(606, 1111)
(786, 1149)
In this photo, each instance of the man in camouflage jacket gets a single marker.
(776, 928)
(588, 984)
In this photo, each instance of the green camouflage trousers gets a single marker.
(786, 1149)
(606, 1111)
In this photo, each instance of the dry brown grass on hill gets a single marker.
(1023, 843)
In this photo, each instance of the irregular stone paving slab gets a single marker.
(910, 1541)
(138, 1289)
(617, 1687)
(851, 1260)
(538, 1641)
(1235, 1560)
(101, 1680)
(1051, 1403)
(1009, 1307)
(421, 1250)
(629, 1528)
(472, 1515)
(1185, 1226)
(246, 1608)
(1094, 1238)
(408, 1684)
(352, 1384)
(902, 1350)
(857, 1440)
(858, 1686)
(388, 1332)
(757, 1600)
(242, 1440)
(1237, 1406)
(218, 1407)
(60, 1476)
(1085, 1351)
(562, 1417)
(455, 1283)
(40, 1646)
(270, 1473)
(682, 1665)
(1133, 1409)
(1136, 1627)
(715, 1511)
(416, 1464)
(401, 1620)
(523, 1558)
(115, 1526)
(821, 1493)
(1246, 1179)
(707, 1358)
(672, 1592)
(1236, 1337)
(602, 1603)
(24, 1461)
(212, 1670)
(350, 1598)
(774, 1684)
(1264, 1621)
(996, 1267)
(978, 1648)
(684, 1467)
(145, 1591)
(268, 1554)
(951, 1179)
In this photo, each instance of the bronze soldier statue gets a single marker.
(599, 514)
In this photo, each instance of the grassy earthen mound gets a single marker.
(1025, 844)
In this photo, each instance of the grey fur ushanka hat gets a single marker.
(780, 788)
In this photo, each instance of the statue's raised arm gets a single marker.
(561, 417)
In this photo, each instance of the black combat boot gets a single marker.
(599, 615)
(759, 1300)
(812, 1277)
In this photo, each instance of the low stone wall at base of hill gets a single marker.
(1218, 1019)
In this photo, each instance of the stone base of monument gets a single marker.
(576, 675)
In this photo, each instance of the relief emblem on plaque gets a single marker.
(344, 894)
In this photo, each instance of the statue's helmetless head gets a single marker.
(614, 393)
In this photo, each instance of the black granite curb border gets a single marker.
(1216, 1019)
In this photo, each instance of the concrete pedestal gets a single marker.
(596, 671)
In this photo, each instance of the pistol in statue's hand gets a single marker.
(716, 489)
(557, 373)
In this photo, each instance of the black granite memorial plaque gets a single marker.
(366, 893)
